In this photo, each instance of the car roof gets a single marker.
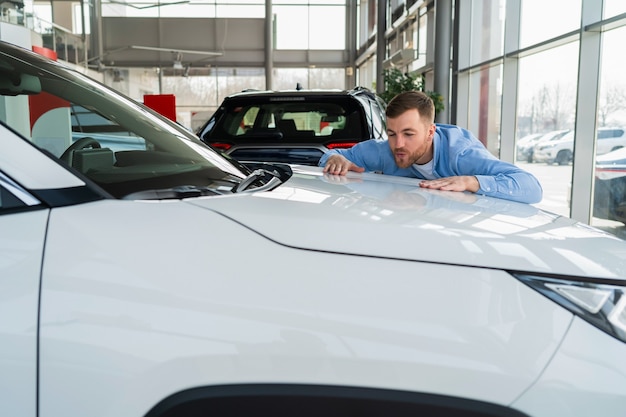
(301, 92)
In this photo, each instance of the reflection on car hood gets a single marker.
(391, 217)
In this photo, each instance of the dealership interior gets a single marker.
(505, 71)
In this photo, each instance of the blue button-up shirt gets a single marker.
(456, 152)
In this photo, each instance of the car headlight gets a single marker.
(601, 304)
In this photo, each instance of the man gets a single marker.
(447, 157)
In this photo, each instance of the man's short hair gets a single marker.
(409, 100)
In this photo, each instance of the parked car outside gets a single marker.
(171, 280)
(524, 144)
(609, 198)
(526, 151)
(293, 126)
(561, 151)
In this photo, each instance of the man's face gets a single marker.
(410, 138)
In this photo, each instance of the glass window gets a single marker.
(546, 103)
(328, 27)
(293, 119)
(485, 106)
(422, 38)
(77, 20)
(613, 8)
(609, 202)
(203, 93)
(308, 78)
(542, 20)
(487, 30)
(292, 27)
(8, 201)
(42, 20)
(310, 26)
(113, 140)
(249, 8)
(326, 78)
(173, 8)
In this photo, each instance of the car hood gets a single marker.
(391, 217)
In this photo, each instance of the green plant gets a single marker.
(397, 82)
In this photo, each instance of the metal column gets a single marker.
(269, 44)
(443, 46)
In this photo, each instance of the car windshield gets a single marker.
(114, 141)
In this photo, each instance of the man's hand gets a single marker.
(339, 165)
(460, 183)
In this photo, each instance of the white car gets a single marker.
(524, 146)
(525, 150)
(170, 280)
(561, 151)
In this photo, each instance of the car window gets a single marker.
(289, 119)
(8, 201)
(13, 197)
(113, 140)
(610, 133)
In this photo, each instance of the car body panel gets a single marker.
(491, 233)
(21, 249)
(119, 335)
(578, 382)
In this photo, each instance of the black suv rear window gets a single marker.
(291, 118)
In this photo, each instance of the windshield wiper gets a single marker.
(181, 191)
(256, 175)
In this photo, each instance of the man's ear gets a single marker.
(431, 130)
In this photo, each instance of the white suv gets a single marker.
(561, 151)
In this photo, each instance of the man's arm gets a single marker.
(364, 156)
(467, 156)
(518, 185)
(456, 183)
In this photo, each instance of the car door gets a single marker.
(23, 225)
(30, 183)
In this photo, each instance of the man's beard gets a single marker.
(407, 161)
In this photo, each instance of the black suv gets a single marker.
(293, 126)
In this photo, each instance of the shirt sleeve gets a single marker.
(366, 154)
(498, 178)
